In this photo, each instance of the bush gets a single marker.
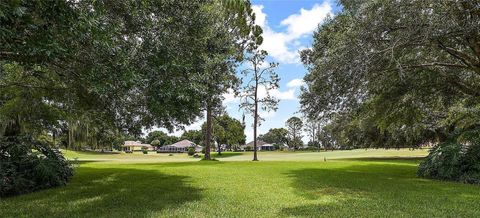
(457, 160)
(191, 151)
(27, 166)
(249, 148)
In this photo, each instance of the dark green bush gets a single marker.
(456, 160)
(191, 151)
(27, 166)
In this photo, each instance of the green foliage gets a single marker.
(226, 131)
(457, 159)
(156, 136)
(275, 136)
(155, 142)
(144, 150)
(258, 76)
(27, 165)
(191, 151)
(128, 83)
(195, 136)
(162, 138)
(230, 27)
(294, 126)
(92, 73)
(391, 73)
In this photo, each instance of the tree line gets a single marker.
(392, 74)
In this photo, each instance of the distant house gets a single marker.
(179, 147)
(261, 146)
(136, 146)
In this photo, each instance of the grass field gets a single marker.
(359, 183)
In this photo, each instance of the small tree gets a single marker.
(258, 77)
(191, 151)
(155, 143)
(312, 128)
(196, 136)
(226, 131)
(144, 150)
(294, 126)
(275, 136)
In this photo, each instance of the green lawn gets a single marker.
(304, 186)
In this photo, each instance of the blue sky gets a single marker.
(288, 26)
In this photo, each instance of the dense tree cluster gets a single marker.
(396, 73)
(277, 136)
(159, 139)
(294, 126)
(226, 131)
(81, 73)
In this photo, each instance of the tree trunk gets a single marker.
(255, 121)
(54, 139)
(219, 149)
(208, 137)
(294, 139)
(13, 127)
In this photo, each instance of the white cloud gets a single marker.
(284, 46)
(267, 114)
(308, 20)
(295, 83)
(229, 97)
(286, 95)
(260, 17)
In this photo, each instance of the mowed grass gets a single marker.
(360, 187)
(153, 157)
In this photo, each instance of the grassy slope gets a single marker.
(361, 187)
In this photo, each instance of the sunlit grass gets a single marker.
(245, 156)
(362, 187)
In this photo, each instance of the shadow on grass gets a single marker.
(81, 162)
(108, 192)
(226, 154)
(200, 162)
(415, 160)
(95, 152)
(376, 189)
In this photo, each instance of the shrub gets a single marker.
(457, 160)
(249, 148)
(191, 151)
(27, 166)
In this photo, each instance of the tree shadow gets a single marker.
(226, 154)
(378, 189)
(413, 160)
(95, 152)
(82, 162)
(108, 192)
(200, 162)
